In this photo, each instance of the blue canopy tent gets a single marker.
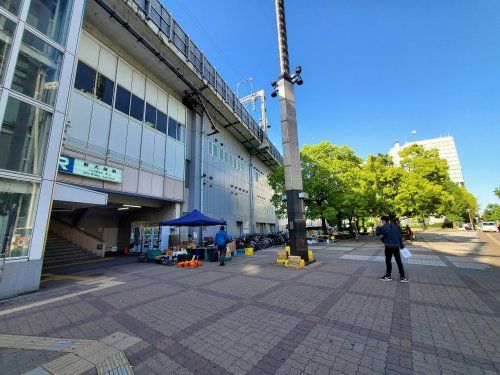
(193, 219)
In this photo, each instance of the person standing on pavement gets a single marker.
(393, 241)
(221, 240)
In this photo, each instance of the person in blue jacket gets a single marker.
(393, 241)
(221, 240)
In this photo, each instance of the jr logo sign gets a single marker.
(66, 164)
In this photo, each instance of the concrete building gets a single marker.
(114, 120)
(447, 150)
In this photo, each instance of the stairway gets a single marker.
(59, 251)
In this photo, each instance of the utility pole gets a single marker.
(291, 156)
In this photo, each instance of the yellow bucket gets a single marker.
(310, 255)
(249, 251)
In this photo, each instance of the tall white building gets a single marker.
(447, 150)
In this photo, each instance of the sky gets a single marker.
(373, 70)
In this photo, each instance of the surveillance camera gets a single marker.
(300, 81)
(274, 94)
(298, 69)
(274, 83)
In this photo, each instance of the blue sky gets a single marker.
(373, 70)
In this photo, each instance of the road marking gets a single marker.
(493, 238)
(106, 283)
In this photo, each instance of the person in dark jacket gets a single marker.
(391, 237)
(221, 240)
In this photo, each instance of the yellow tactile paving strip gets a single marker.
(106, 354)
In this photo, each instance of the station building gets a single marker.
(112, 121)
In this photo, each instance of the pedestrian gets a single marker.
(391, 237)
(221, 240)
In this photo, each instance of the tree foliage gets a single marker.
(492, 212)
(341, 185)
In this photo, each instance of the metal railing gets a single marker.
(168, 26)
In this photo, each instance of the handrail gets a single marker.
(76, 228)
(167, 25)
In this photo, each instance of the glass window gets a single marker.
(122, 101)
(104, 89)
(23, 137)
(180, 132)
(161, 122)
(7, 28)
(17, 212)
(172, 127)
(137, 108)
(51, 17)
(37, 69)
(12, 6)
(85, 78)
(150, 115)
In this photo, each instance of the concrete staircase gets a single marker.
(59, 251)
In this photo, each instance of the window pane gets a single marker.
(122, 101)
(51, 17)
(7, 28)
(12, 6)
(17, 212)
(137, 108)
(150, 115)
(104, 89)
(85, 78)
(180, 132)
(37, 69)
(172, 127)
(161, 122)
(23, 137)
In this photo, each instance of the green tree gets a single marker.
(425, 163)
(382, 184)
(331, 177)
(461, 200)
(343, 167)
(497, 192)
(420, 198)
(492, 212)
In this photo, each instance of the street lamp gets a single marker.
(291, 156)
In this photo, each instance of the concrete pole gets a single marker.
(291, 155)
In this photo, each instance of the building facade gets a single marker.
(112, 121)
(447, 150)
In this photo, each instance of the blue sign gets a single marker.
(66, 164)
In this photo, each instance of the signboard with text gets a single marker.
(68, 164)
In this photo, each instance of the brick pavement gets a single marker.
(251, 316)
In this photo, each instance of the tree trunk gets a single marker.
(339, 221)
(323, 225)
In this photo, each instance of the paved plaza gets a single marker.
(255, 317)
